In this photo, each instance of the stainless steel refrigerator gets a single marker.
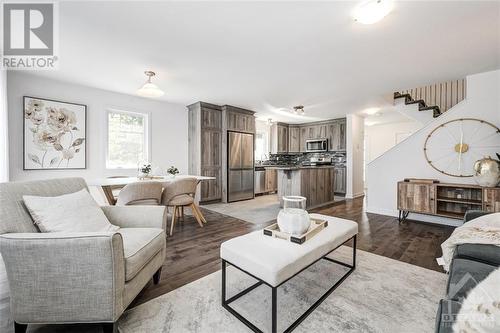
(240, 173)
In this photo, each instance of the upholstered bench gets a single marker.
(274, 261)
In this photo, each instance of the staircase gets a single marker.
(437, 97)
(422, 106)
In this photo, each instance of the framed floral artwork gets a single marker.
(54, 134)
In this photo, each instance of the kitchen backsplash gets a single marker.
(338, 158)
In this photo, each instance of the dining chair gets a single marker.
(178, 194)
(140, 193)
(113, 191)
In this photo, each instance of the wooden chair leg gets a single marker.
(196, 216)
(200, 213)
(20, 328)
(174, 217)
(109, 327)
(182, 213)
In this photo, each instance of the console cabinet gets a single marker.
(445, 199)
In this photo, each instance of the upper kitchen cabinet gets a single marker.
(279, 138)
(205, 148)
(238, 120)
(294, 145)
(336, 134)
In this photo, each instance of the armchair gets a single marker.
(57, 278)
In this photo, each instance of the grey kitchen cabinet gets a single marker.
(239, 120)
(304, 135)
(294, 139)
(336, 135)
(342, 129)
(320, 131)
(205, 148)
(340, 180)
(271, 180)
(279, 138)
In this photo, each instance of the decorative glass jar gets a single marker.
(293, 218)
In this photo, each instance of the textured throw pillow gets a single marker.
(74, 212)
(480, 311)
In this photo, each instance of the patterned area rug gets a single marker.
(381, 295)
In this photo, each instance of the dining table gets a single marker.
(109, 184)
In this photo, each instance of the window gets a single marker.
(261, 146)
(127, 139)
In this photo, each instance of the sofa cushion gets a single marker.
(485, 252)
(446, 315)
(465, 274)
(73, 212)
(140, 245)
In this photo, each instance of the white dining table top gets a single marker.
(128, 180)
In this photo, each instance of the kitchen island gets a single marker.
(316, 183)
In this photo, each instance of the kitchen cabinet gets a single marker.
(337, 135)
(294, 139)
(238, 120)
(271, 180)
(340, 180)
(205, 148)
(279, 138)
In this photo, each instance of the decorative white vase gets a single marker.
(293, 218)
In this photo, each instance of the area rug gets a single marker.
(381, 295)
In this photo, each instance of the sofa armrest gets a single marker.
(64, 277)
(137, 216)
(472, 214)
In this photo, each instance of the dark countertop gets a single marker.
(299, 167)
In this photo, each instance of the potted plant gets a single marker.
(144, 170)
(172, 171)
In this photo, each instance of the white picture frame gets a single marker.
(55, 134)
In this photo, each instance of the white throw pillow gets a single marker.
(480, 311)
(74, 212)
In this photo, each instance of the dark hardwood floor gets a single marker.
(193, 252)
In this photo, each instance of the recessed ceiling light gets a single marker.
(150, 89)
(372, 11)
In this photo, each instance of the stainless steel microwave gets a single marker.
(316, 145)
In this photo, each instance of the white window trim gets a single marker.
(147, 134)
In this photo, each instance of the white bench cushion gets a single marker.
(275, 260)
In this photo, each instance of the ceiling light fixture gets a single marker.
(372, 11)
(299, 109)
(150, 89)
(371, 111)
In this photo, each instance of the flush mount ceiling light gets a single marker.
(150, 89)
(299, 109)
(371, 111)
(372, 11)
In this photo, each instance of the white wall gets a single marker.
(169, 135)
(4, 133)
(406, 160)
(355, 137)
(381, 138)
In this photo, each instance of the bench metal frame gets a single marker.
(274, 323)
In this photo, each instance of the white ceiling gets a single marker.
(269, 56)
